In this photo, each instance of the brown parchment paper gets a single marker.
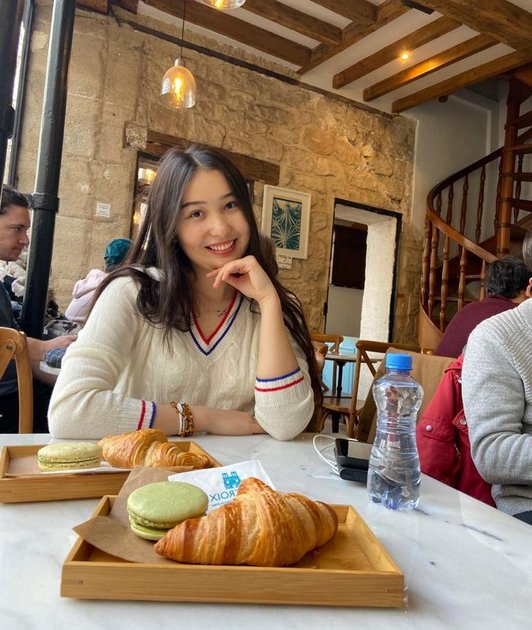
(112, 533)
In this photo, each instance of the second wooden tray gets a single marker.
(58, 486)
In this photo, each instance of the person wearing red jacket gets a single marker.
(443, 439)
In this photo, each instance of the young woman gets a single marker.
(195, 332)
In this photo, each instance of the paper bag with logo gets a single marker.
(221, 484)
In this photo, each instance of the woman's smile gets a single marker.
(222, 249)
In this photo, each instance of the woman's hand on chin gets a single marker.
(247, 276)
(225, 421)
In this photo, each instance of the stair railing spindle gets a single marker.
(444, 289)
(463, 210)
(480, 206)
(433, 268)
(425, 264)
(462, 278)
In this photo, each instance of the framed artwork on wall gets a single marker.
(285, 218)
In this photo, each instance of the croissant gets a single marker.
(260, 527)
(148, 447)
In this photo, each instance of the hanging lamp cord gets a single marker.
(183, 27)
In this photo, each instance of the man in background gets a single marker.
(14, 225)
(506, 282)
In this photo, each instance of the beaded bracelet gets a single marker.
(186, 419)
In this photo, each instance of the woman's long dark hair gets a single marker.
(169, 300)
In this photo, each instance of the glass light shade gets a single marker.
(178, 89)
(223, 5)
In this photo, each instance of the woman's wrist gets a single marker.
(270, 304)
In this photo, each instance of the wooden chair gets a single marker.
(322, 340)
(14, 345)
(427, 369)
(329, 342)
(346, 407)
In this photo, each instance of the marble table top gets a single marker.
(466, 565)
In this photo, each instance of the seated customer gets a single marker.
(443, 439)
(506, 281)
(14, 225)
(85, 289)
(497, 392)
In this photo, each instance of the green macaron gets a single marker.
(155, 508)
(69, 456)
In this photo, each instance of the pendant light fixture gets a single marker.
(223, 5)
(178, 88)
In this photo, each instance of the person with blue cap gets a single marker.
(84, 290)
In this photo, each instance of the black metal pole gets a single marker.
(10, 16)
(45, 202)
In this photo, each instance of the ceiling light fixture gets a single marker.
(178, 88)
(223, 5)
(405, 55)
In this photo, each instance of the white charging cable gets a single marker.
(321, 449)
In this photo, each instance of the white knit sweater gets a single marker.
(497, 394)
(120, 365)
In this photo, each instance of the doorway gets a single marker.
(362, 274)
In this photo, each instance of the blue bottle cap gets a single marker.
(396, 361)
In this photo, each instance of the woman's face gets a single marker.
(212, 228)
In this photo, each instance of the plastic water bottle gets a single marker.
(394, 474)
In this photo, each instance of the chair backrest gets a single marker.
(328, 338)
(14, 345)
(427, 369)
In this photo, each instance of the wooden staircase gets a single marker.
(475, 216)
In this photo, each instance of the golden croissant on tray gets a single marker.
(260, 527)
(148, 447)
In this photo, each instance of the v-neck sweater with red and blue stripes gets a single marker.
(120, 366)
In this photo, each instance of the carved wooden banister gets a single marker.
(448, 251)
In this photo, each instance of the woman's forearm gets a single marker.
(276, 356)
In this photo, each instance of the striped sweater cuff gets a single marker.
(147, 414)
(279, 382)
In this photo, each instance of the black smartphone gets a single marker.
(353, 456)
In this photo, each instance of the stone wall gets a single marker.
(325, 146)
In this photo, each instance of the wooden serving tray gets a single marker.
(353, 569)
(58, 486)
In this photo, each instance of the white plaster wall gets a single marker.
(450, 136)
(380, 260)
(344, 311)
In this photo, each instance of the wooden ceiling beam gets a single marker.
(234, 28)
(100, 6)
(524, 75)
(423, 69)
(130, 5)
(386, 13)
(418, 38)
(295, 20)
(475, 75)
(503, 20)
(358, 11)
